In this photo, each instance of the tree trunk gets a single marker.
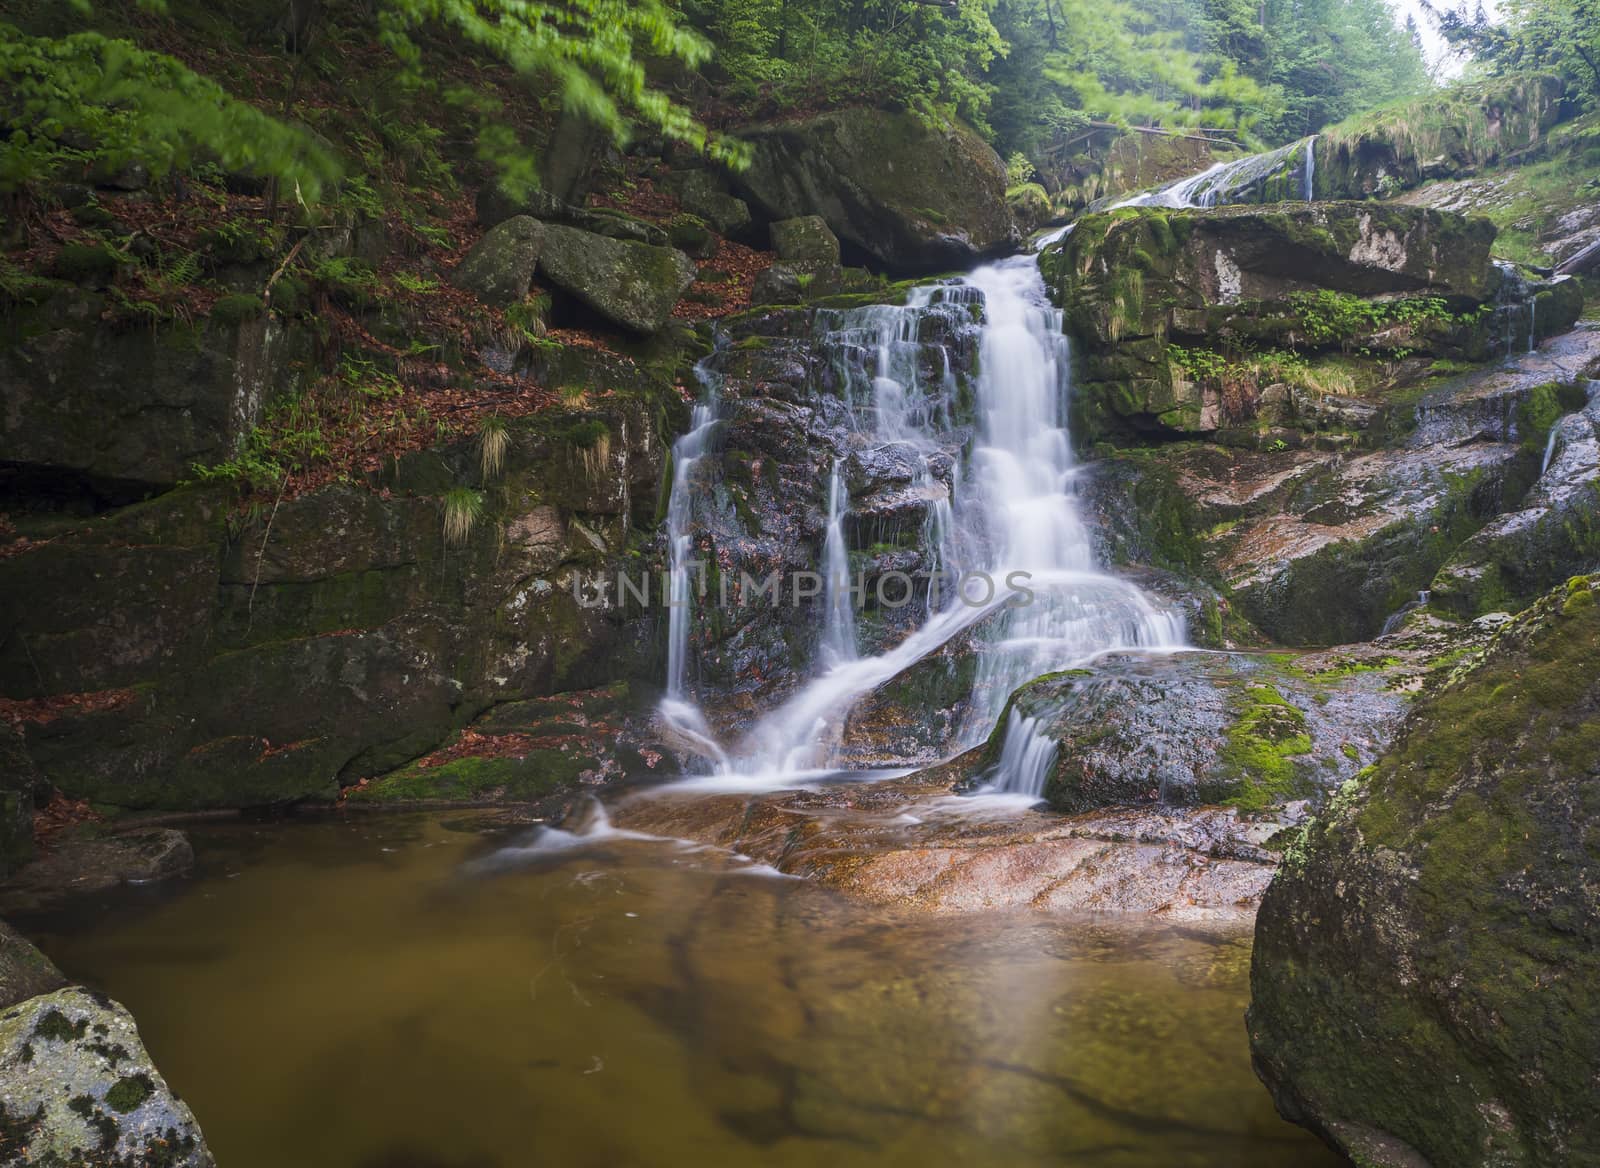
(301, 18)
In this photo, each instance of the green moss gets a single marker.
(587, 434)
(1267, 733)
(54, 1027)
(87, 263)
(237, 308)
(129, 1092)
(540, 772)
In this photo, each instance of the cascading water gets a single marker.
(679, 711)
(1025, 760)
(1549, 449)
(839, 628)
(1009, 514)
(1243, 180)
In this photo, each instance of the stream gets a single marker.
(425, 991)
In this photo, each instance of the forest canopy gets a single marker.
(1038, 78)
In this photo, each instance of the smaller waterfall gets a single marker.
(839, 625)
(686, 455)
(1533, 323)
(1549, 449)
(1243, 180)
(1026, 757)
(1311, 169)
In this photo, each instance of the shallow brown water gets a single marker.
(371, 994)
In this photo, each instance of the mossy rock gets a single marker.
(916, 198)
(1243, 730)
(479, 780)
(1424, 968)
(805, 239)
(78, 1087)
(499, 268)
(632, 284)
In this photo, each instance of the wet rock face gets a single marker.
(910, 842)
(1424, 969)
(796, 398)
(190, 665)
(914, 198)
(1319, 546)
(79, 419)
(77, 1087)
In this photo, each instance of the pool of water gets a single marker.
(422, 991)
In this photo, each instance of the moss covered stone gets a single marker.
(1424, 970)
(633, 284)
(1137, 281)
(914, 197)
(1249, 731)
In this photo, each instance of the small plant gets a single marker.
(462, 507)
(529, 316)
(1018, 169)
(574, 397)
(411, 282)
(494, 439)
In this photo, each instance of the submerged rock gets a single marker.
(915, 198)
(73, 866)
(1424, 969)
(911, 842)
(77, 1087)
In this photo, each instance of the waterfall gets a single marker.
(1006, 508)
(680, 715)
(1550, 447)
(1533, 323)
(839, 626)
(1025, 760)
(1243, 180)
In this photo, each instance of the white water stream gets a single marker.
(1009, 512)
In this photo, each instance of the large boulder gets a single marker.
(704, 194)
(806, 239)
(915, 198)
(77, 1087)
(499, 268)
(634, 284)
(1139, 284)
(1425, 959)
(1191, 728)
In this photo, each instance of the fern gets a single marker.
(89, 101)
